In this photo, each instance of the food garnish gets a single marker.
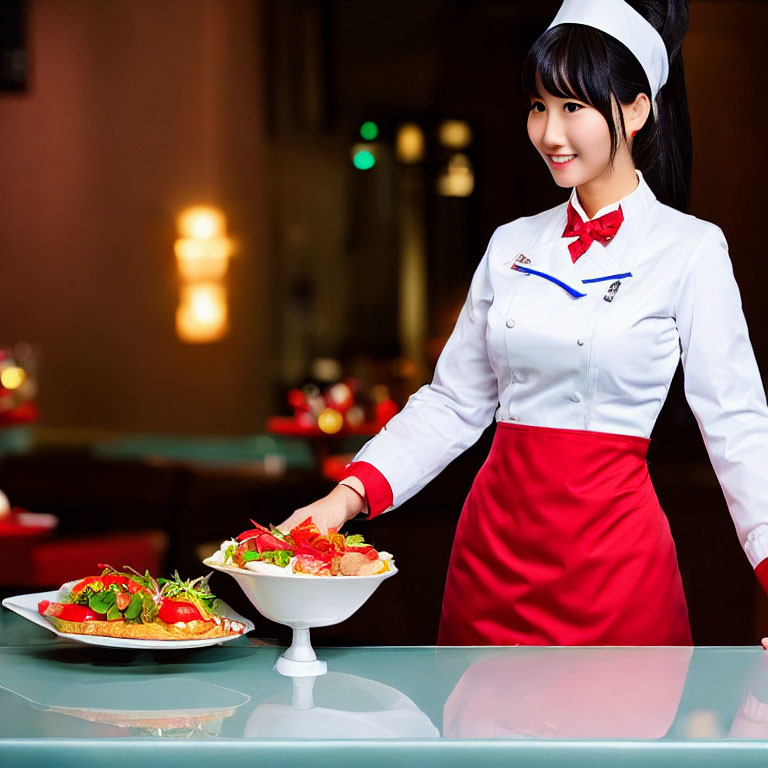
(129, 604)
(304, 550)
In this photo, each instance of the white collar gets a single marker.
(639, 197)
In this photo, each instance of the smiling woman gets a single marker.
(575, 142)
(575, 322)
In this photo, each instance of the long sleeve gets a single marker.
(725, 391)
(443, 418)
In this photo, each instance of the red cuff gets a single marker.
(762, 573)
(378, 492)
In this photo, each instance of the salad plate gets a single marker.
(26, 607)
(303, 579)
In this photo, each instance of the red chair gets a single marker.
(51, 562)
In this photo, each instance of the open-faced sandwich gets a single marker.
(304, 551)
(127, 605)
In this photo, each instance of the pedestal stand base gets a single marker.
(300, 660)
(291, 668)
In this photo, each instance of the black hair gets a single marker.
(581, 62)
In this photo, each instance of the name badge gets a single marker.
(612, 289)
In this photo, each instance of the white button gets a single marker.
(580, 342)
(510, 323)
(577, 397)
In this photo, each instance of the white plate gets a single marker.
(26, 606)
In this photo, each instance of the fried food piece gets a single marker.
(356, 564)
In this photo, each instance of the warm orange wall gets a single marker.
(139, 107)
(135, 110)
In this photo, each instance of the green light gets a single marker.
(369, 130)
(363, 160)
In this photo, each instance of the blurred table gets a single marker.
(259, 452)
(68, 704)
(199, 490)
(324, 445)
(153, 497)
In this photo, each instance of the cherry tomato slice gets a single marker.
(94, 581)
(269, 543)
(255, 531)
(172, 611)
(68, 611)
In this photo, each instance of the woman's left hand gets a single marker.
(765, 643)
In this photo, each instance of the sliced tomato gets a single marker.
(128, 584)
(113, 579)
(255, 531)
(321, 544)
(269, 543)
(305, 532)
(172, 611)
(97, 583)
(68, 611)
(249, 534)
(94, 582)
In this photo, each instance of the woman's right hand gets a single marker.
(332, 511)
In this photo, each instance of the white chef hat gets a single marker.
(621, 21)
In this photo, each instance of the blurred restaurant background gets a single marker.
(234, 236)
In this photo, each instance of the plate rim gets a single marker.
(22, 604)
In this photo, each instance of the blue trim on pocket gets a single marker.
(607, 277)
(552, 279)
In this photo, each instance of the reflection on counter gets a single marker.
(751, 721)
(570, 694)
(141, 705)
(607, 693)
(339, 706)
(55, 689)
(107, 699)
(169, 720)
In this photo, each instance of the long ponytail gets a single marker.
(663, 148)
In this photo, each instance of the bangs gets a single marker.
(569, 61)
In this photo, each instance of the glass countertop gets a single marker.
(58, 697)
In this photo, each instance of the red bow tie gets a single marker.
(602, 229)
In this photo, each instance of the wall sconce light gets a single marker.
(457, 179)
(202, 259)
(409, 144)
(456, 134)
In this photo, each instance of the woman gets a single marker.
(573, 328)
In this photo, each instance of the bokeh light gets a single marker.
(363, 159)
(369, 130)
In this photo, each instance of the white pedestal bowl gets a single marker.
(302, 602)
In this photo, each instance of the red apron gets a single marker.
(562, 542)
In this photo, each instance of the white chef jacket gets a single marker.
(543, 347)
